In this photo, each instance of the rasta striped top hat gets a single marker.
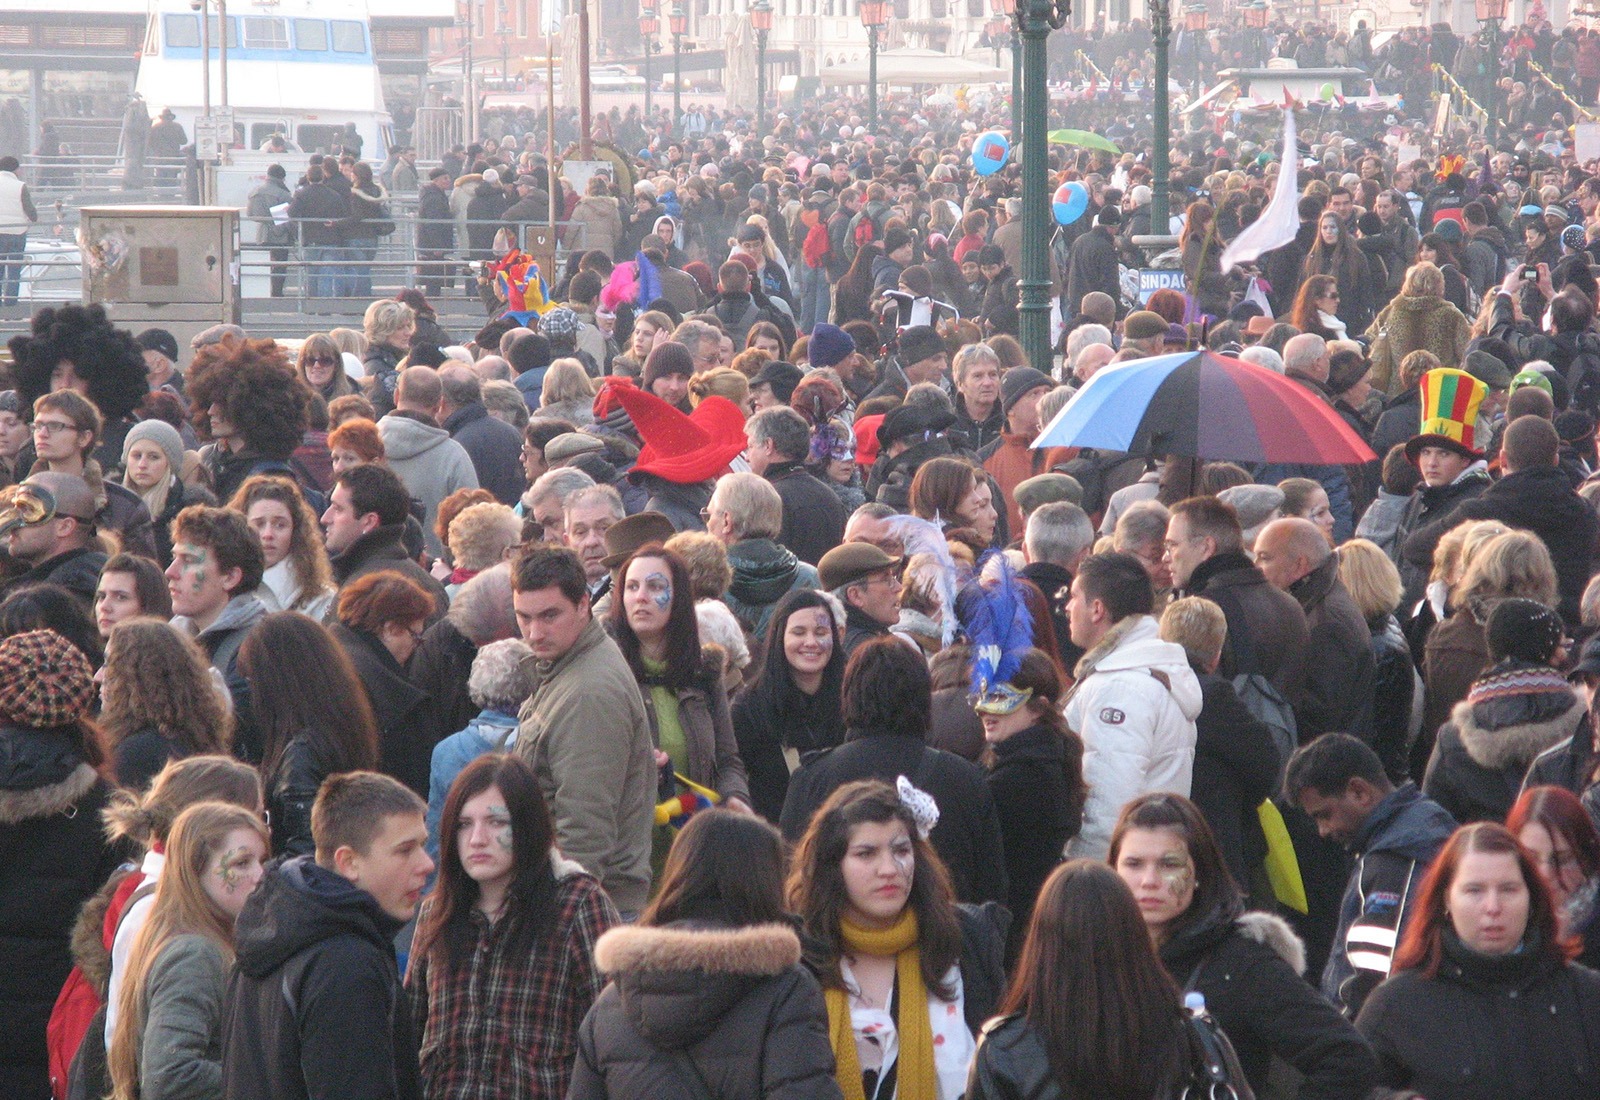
(1450, 402)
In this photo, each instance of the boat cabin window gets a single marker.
(311, 35)
(313, 138)
(233, 33)
(348, 37)
(183, 31)
(265, 33)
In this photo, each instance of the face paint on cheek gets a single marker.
(659, 585)
(1178, 880)
(905, 862)
(228, 869)
(502, 833)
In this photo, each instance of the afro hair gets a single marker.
(105, 357)
(258, 391)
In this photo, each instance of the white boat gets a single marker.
(298, 68)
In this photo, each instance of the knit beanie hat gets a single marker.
(830, 345)
(1524, 629)
(160, 433)
(45, 680)
(1020, 381)
(670, 358)
(919, 342)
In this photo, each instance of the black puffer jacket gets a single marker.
(1235, 766)
(1036, 778)
(1514, 712)
(315, 952)
(967, 836)
(1395, 687)
(730, 1005)
(1508, 1027)
(1249, 970)
(763, 573)
(53, 857)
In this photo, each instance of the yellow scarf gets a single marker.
(915, 1079)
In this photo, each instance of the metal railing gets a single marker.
(1578, 108)
(312, 282)
(48, 178)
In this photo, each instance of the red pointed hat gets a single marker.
(684, 449)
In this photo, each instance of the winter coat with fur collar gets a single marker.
(732, 1005)
(1249, 969)
(1514, 712)
(53, 857)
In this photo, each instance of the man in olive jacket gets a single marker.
(584, 729)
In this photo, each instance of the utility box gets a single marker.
(171, 267)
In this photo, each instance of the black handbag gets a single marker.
(1214, 1065)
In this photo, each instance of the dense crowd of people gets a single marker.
(706, 678)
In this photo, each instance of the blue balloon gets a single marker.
(1069, 202)
(990, 153)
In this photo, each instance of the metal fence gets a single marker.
(299, 288)
(50, 179)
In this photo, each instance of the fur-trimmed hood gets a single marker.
(1273, 931)
(676, 982)
(22, 801)
(89, 949)
(1508, 733)
(758, 951)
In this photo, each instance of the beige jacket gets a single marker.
(584, 732)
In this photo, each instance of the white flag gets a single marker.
(1280, 221)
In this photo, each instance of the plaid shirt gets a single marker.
(504, 1026)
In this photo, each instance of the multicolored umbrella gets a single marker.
(1203, 405)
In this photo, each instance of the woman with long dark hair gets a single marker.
(314, 718)
(1091, 1014)
(167, 1044)
(852, 299)
(158, 701)
(501, 969)
(1202, 247)
(793, 706)
(1035, 766)
(707, 989)
(1247, 965)
(1561, 837)
(1335, 253)
(1484, 1001)
(1316, 308)
(909, 976)
(653, 621)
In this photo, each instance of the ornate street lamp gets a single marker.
(1195, 19)
(874, 17)
(1006, 10)
(1035, 19)
(761, 22)
(650, 33)
(1255, 18)
(1161, 31)
(994, 28)
(1489, 13)
(678, 24)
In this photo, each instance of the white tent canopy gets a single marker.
(916, 66)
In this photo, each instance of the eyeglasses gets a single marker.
(48, 428)
(705, 515)
(320, 361)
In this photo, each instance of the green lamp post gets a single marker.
(1161, 29)
(1035, 19)
(678, 24)
(649, 32)
(1489, 13)
(874, 17)
(761, 23)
